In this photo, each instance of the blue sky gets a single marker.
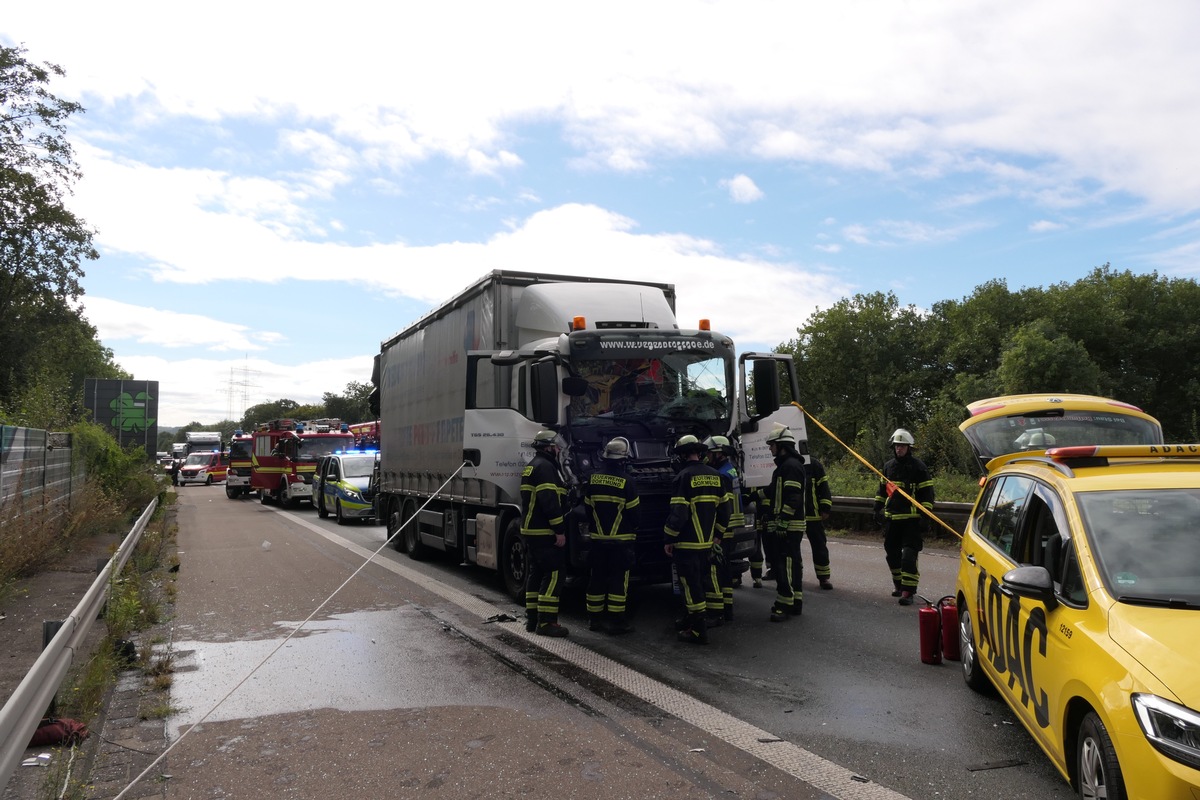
(278, 187)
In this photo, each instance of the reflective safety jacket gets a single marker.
(911, 475)
(542, 493)
(612, 498)
(698, 513)
(818, 499)
(787, 494)
(733, 489)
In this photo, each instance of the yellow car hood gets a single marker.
(1163, 640)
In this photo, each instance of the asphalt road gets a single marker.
(833, 703)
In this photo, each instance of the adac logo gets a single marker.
(130, 412)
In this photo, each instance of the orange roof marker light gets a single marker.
(705, 325)
(578, 323)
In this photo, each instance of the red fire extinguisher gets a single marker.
(948, 612)
(929, 621)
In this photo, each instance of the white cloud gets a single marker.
(1045, 226)
(119, 322)
(742, 189)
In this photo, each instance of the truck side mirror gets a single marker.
(574, 386)
(544, 387)
(766, 386)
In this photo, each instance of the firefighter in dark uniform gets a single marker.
(760, 504)
(697, 519)
(818, 502)
(785, 529)
(543, 531)
(720, 451)
(902, 523)
(611, 497)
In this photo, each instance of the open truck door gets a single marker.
(768, 391)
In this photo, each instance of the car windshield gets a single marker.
(679, 385)
(1146, 542)
(196, 459)
(358, 466)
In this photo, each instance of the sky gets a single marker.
(278, 187)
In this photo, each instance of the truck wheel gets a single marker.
(322, 511)
(513, 566)
(264, 496)
(232, 494)
(412, 538)
(393, 519)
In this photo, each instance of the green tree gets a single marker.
(352, 405)
(282, 408)
(1039, 359)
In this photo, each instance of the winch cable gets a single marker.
(916, 503)
(184, 734)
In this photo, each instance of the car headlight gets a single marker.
(1174, 730)
(353, 494)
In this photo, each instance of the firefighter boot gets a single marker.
(728, 613)
(906, 598)
(619, 624)
(826, 583)
(696, 632)
(778, 613)
(531, 619)
(596, 622)
(551, 628)
(897, 591)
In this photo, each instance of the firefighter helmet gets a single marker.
(617, 449)
(689, 444)
(545, 438)
(902, 436)
(782, 434)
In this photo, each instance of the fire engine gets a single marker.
(237, 480)
(285, 456)
(366, 434)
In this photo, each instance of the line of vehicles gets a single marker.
(1078, 591)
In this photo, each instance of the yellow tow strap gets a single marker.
(871, 467)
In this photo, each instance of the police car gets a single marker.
(1079, 589)
(342, 485)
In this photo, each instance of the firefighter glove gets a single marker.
(879, 518)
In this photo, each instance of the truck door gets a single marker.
(498, 421)
(768, 394)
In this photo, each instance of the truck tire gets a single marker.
(264, 496)
(232, 494)
(513, 565)
(412, 538)
(393, 518)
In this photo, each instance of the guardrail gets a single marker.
(953, 514)
(24, 710)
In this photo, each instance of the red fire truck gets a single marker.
(285, 458)
(366, 434)
(237, 481)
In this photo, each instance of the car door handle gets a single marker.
(971, 559)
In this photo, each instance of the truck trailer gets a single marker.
(462, 391)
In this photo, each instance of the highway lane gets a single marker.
(843, 681)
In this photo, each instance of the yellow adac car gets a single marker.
(1079, 591)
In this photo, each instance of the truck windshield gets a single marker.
(675, 386)
(312, 447)
(240, 449)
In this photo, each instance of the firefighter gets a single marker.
(903, 525)
(611, 497)
(697, 520)
(818, 502)
(759, 502)
(543, 532)
(720, 451)
(785, 529)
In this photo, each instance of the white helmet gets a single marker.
(689, 444)
(718, 444)
(782, 434)
(545, 438)
(617, 449)
(901, 436)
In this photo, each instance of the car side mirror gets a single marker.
(1033, 582)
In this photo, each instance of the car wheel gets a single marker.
(972, 672)
(337, 507)
(513, 566)
(208, 481)
(1096, 759)
(412, 537)
(322, 511)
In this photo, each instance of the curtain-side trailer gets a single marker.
(462, 391)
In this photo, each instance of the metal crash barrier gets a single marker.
(25, 709)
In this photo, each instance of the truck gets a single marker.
(237, 480)
(461, 392)
(284, 458)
